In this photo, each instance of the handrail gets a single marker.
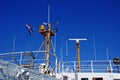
(69, 66)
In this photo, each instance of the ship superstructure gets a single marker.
(89, 70)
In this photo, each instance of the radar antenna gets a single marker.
(78, 50)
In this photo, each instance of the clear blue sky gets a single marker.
(77, 19)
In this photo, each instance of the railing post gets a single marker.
(56, 66)
(92, 66)
(62, 67)
(111, 66)
(21, 58)
(59, 67)
(74, 66)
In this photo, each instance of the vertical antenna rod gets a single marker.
(67, 53)
(107, 54)
(13, 47)
(48, 14)
(61, 51)
(94, 46)
(78, 50)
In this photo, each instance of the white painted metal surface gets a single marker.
(9, 71)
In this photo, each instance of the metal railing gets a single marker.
(98, 66)
(93, 66)
(28, 59)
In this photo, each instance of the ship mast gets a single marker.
(47, 31)
(78, 50)
(48, 39)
